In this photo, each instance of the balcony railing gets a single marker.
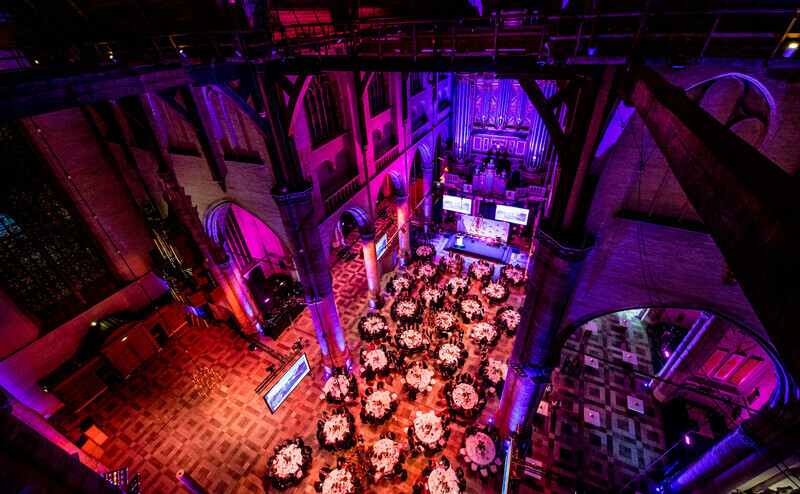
(340, 197)
(419, 133)
(387, 158)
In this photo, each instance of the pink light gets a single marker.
(687, 439)
(666, 353)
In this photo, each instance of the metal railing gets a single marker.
(340, 197)
(738, 33)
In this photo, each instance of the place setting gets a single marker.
(440, 478)
(289, 464)
(377, 406)
(375, 362)
(387, 457)
(481, 271)
(496, 292)
(426, 271)
(406, 310)
(458, 286)
(513, 275)
(399, 284)
(507, 318)
(482, 450)
(470, 308)
(409, 340)
(418, 379)
(465, 397)
(445, 320)
(432, 296)
(424, 252)
(341, 387)
(494, 374)
(373, 327)
(484, 334)
(451, 355)
(337, 431)
(428, 433)
(452, 263)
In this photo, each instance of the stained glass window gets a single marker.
(48, 264)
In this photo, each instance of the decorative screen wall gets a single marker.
(48, 264)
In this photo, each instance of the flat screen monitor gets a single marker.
(457, 204)
(286, 383)
(511, 214)
(380, 247)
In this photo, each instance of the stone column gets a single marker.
(697, 346)
(243, 305)
(373, 271)
(403, 223)
(338, 236)
(305, 246)
(462, 119)
(551, 276)
(427, 187)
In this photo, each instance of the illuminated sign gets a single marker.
(512, 215)
(457, 204)
(380, 247)
(286, 384)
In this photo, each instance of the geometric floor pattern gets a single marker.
(158, 424)
(612, 455)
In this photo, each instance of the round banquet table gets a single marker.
(288, 461)
(419, 378)
(385, 455)
(428, 428)
(339, 481)
(480, 449)
(378, 405)
(337, 386)
(376, 359)
(442, 480)
(464, 396)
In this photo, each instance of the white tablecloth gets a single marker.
(335, 428)
(424, 250)
(426, 270)
(385, 455)
(464, 396)
(514, 274)
(428, 428)
(337, 386)
(445, 320)
(457, 284)
(374, 325)
(401, 283)
(411, 339)
(511, 319)
(419, 378)
(378, 403)
(443, 481)
(470, 307)
(406, 308)
(496, 370)
(449, 353)
(481, 270)
(288, 461)
(376, 359)
(432, 294)
(484, 455)
(484, 332)
(339, 481)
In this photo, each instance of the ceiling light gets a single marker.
(790, 49)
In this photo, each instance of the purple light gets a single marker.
(266, 300)
(688, 440)
(238, 53)
(490, 420)
(646, 385)
(666, 353)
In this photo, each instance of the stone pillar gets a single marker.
(373, 270)
(462, 119)
(551, 276)
(427, 187)
(240, 299)
(305, 246)
(697, 346)
(338, 236)
(403, 223)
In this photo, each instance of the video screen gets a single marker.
(457, 204)
(286, 383)
(380, 247)
(511, 214)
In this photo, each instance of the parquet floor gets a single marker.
(158, 424)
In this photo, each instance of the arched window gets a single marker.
(378, 94)
(321, 111)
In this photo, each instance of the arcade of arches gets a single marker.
(482, 276)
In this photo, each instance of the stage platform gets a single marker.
(479, 250)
